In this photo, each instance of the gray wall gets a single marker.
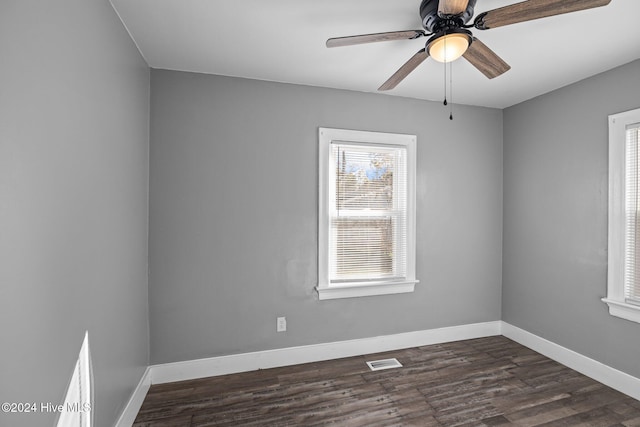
(555, 217)
(74, 105)
(233, 224)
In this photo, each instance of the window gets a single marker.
(623, 281)
(366, 229)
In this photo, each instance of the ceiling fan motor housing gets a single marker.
(433, 23)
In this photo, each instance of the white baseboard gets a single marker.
(607, 375)
(130, 411)
(213, 366)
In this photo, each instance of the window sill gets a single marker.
(363, 290)
(623, 310)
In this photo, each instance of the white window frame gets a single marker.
(325, 289)
(615, 298)
(77, 409)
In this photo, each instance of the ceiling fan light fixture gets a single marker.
(448, 47)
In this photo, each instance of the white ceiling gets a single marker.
(284, 41)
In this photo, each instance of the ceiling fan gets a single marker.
(446, 25)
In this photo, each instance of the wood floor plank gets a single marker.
(635, 422)
(166, 422)
(540, 414)
(482, 382)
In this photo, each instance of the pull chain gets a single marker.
(445, 71)
(451, 90)
(450, 82)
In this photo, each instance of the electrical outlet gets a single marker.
(281, 324)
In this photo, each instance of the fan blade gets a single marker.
(377, 37)
(485, 60)
(452, 7)
(404, 71)
(533, 9)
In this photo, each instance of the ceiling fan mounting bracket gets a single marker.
(418, 35)
(479, 22)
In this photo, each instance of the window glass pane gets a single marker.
(632, 215)
(368, 218)
(364, 178)
(364, 248)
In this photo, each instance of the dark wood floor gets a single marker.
(483, 382)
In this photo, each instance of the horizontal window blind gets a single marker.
(632, 217)
(368, 213)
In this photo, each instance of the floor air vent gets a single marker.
(378, 365)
